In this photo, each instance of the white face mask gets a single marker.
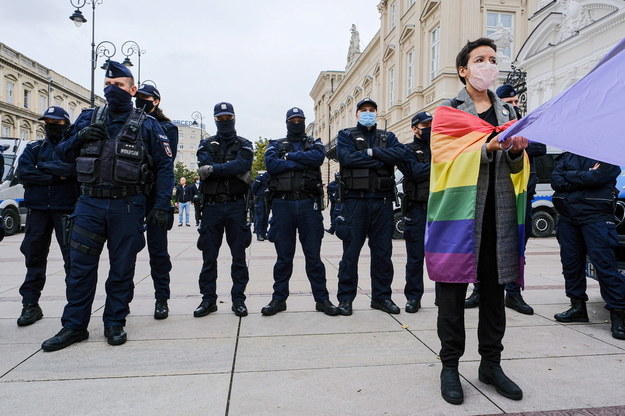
(483, 75)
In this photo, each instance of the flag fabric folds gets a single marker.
(450, 246)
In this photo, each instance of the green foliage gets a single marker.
(258, 164)
(181, 170)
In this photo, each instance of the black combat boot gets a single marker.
(617, 316)
(577, 312)
(491, 373)
(473, 301)
(451, 389)
(517, 303)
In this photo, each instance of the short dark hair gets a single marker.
(462, 59)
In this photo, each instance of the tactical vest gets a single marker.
(307, 181)
(417, 192)
(231, 185)
(366, 179)
(119, 162)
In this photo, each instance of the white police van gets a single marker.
(12, 192)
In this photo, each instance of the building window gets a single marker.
(6, 131)
(10, 87)
(192, 147)
(180, 146)
(500, 28)
(391, 86)
(43, 103)
(180, 134)
(392, 12)
(24, 134)
(192, 165)
(410, 72)
(27, 98)
(192, 137)
(435, 50)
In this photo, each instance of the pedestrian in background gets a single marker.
(261, 213)
(183, 197)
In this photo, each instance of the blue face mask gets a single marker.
(119, 101)
(366, 118)
(225, 128)
(425, 133)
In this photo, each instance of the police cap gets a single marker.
(505, 91)
(294, 112)
(117, 70)
(421, 117)
(366, 101)
(55, 113)
(149, 90)
(223, 108)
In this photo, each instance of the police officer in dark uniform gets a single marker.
(149, 99)
(296, 193)
(225, 162)
(585, 197)
(2, 149)
(261, 217)
(333, 197)
(120, 153)
(367, 156)
(416, 185)
(50, 193)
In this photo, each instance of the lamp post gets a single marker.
(149, 81)
(129, 48)
(195, 115)
(106, 49)
(78, 19)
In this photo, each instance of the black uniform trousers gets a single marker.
(414, 236)
(36, 245)
(160, 263)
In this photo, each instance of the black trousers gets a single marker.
(492, 314)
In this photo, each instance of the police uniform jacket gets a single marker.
(154, 139)
(582, 194)
(350, 157)
(239, 166)
(416, 168)
(41, 170)
(298, 159)
(259, 186)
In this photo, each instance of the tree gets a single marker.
(258, 164)
(181, 170)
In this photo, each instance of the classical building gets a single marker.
(409, 65)
(189, 136)
(27, 89)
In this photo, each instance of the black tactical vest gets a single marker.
(222, 153)
(120, 161)
(365, 179)
(307, 181)
(417, 192)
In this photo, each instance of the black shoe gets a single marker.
(345, 308)
(491, 373)
(115, 335)
(413, 306)
(329, 230)
(64, 338)
(327, 307)
(473, 301)
(31, 313)
(179, 225)
(260, 237)
(161, 310)
(205, 308)
(274, 307)
(517, 303)
(617, 316)
(576, 313)
(239, 309)
(386, 305)
(188, 225)
(451, 389)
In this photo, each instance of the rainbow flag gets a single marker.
(457, 140)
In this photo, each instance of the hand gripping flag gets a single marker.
(450, 246)
(587, 117)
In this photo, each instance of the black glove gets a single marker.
(159, 218)
(92, 133)
(205, 171)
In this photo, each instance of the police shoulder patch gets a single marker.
(166, 148)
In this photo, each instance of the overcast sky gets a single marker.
(262, 56)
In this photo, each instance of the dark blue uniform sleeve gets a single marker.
(240, 165)
(27, 167)
(69, 149)
(350, 157)
(313, 157)
(535, 149)
(573, 172)
(393, 153)
(158, 146)
(275, 165)
(412, 169)
(171, 131)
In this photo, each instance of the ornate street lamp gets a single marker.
(105, 49)
(129, 48)
(518, 79)
(195, 115)
(78, 19)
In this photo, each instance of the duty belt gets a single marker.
(119, 192)
(221, 198)
(293, 196)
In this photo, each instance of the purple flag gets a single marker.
(588, 117)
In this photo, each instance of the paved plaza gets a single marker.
(299, 362)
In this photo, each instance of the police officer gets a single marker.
(416, 185)
(585, 197)
(514, 299)
(296, 190)
(367, 156)
(2, 149)
(50, 193)
(225, 162)
(197, 201)
(259, 187)
(333, 197)
(149, 99)
(119, 153)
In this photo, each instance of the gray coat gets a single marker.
(508, 243)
